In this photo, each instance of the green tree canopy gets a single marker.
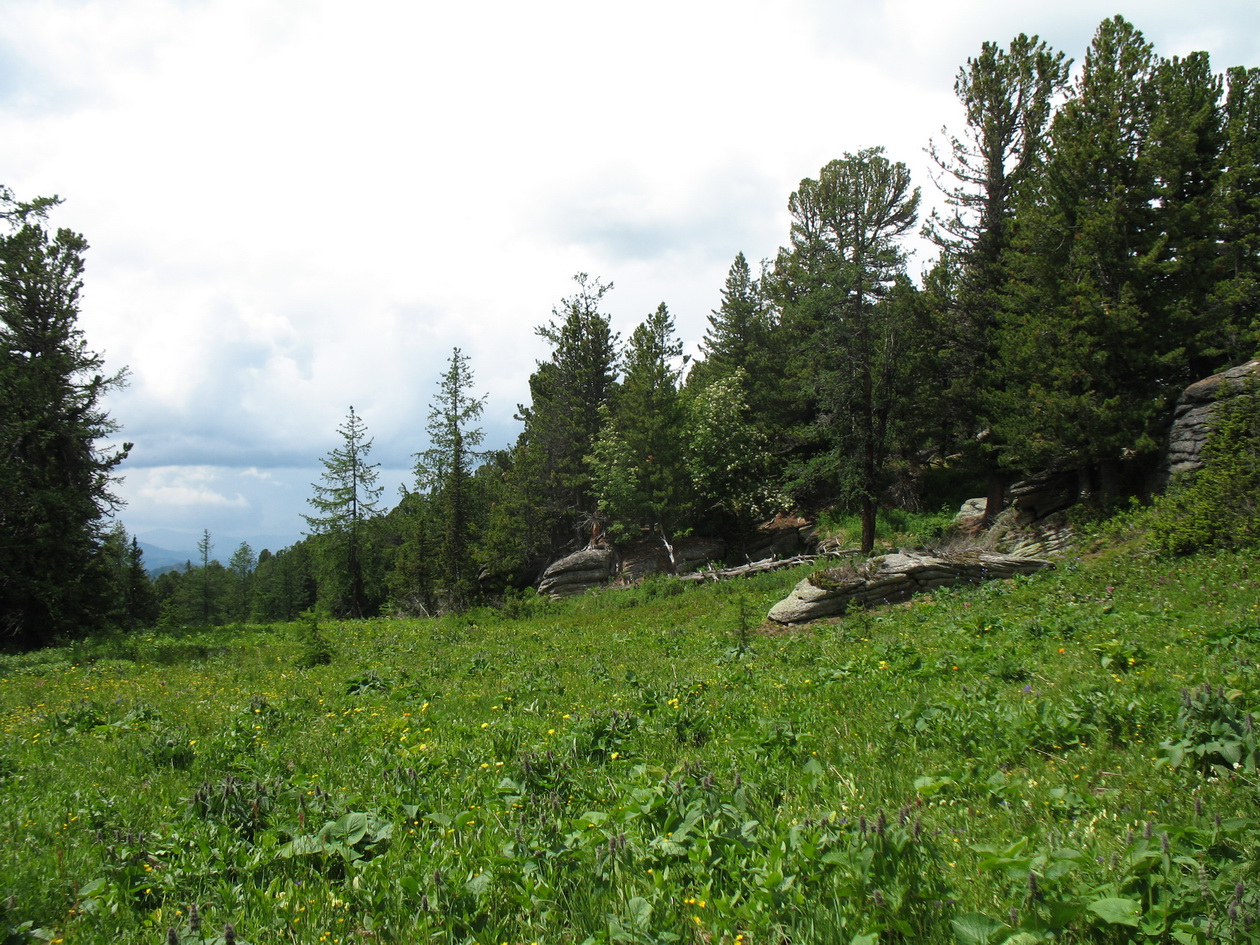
(637, 459)
(56, 473)
(445, 472)
(836, 276)
(345, 499)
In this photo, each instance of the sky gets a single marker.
(299, 206)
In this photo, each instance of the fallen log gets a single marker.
(758, 567)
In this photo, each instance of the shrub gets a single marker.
(1219, 505)
(316, 649)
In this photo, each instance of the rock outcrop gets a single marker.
(578, 572)
(886, 579)
(1192, 417)
(1032, 500)
(629, 563)
(645, 558)
(783, 536)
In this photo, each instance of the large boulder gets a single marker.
(782, 537)
(887, 579)
(578, 572)
(601, 565)
(1192, 417)
(644, 558)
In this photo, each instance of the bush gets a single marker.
(1219, 505)
(316, 648)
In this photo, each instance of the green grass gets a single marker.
(988, 764)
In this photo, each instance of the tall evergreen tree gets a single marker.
(1179, 272)
(1008, 96)
(345, 500)
(241, 567)
(547, 502)
(1109, 263)
(55, 476)
(414, 577)
(128, 598)
(637, 460)
(206, 580)
(1236, 296)
(739, 330)
(842, 263)
(445, 472)
(284, 583)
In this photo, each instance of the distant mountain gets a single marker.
(157, 560)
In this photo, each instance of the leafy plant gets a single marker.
(1219, 505)
(1217, 735)
(316, 650)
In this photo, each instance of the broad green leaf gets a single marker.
(1117, 911)
(975, 928)
(640, 912)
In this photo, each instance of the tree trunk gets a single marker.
(996, 501)
(868, 525)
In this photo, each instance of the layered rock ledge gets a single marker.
(887, 579)
(1192, 418)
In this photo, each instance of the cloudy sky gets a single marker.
(295, 206)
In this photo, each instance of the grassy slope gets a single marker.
(618, 769)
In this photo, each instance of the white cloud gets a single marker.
(299, 205)
(185, 486)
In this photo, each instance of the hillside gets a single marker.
(986, 764)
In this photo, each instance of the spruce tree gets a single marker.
(1008, 97)
(547, 501)
(345, 500)
(738, 335)
(836, 279)
(636, 463)
(56, 477)
(445, 473)
(241, 567)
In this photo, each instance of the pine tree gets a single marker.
(547, 502)
(637, 463)
(1008, 97)
(345, 500)
(1111, 263)
(836, 278)
(1186, 140)
(55, 477)
(445, 472)
(1236, 296)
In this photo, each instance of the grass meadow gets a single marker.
(1065, 757)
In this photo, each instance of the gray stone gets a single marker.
(577, 572)
(891, 578)
(1192, 418)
